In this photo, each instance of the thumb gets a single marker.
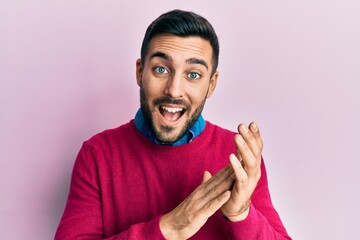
(206, 177)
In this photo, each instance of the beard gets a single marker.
(162, 133)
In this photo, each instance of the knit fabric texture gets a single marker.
(122, 183)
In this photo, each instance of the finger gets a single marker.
(206, 177)
(217, 184)
(250, 161)
(256, 132)
(239, 171)
(219, 177)
(250, 139)
(211, 207)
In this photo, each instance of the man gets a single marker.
(152, 177)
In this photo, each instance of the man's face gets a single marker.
(174, 82)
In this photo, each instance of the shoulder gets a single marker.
(111, 136)
(218, 131)
(214, 135)
(102, 148)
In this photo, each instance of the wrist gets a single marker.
(164, 227)
(238, 216)
(167, 228)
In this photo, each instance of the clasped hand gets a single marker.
(230, 189)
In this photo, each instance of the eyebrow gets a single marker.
(197, 61)
(161, 55)
(188, 61)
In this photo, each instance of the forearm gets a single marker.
(261, 221)
(257, 226)
(146, 230)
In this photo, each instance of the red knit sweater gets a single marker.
(122, 183)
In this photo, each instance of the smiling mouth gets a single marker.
(172, 114)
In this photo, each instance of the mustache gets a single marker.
(168, 100)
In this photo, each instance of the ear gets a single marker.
(212, 85)
(139, 71)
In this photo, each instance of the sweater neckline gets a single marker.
(197, 144)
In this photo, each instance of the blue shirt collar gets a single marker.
(143, 127)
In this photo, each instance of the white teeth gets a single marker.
(172, 110)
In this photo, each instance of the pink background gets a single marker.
(67, 71)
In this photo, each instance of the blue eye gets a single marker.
(161, 70)
(194, 75)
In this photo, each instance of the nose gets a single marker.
(174, 87)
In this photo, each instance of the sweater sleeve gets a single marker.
(82, 218)
(263, 222)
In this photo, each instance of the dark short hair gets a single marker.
(183, 24)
